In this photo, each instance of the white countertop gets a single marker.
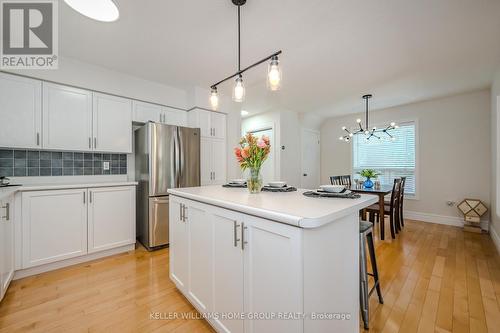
(286, 207)
(61, 186)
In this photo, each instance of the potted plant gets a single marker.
(251, 154)
(368, 174)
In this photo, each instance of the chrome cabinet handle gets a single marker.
(38, 138)
(180, 212)
(214, 131)
(235, 233)
(90, 196)
(7, 212)
(184, 214)
(90, 142)
(243, 242)
(83, 197)
(95, 142)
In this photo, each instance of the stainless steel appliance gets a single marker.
(166, 157)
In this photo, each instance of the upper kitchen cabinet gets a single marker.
(112, 124)
(175, 117)
(144, 112)
(20, 112)
(212, 124)
(67, 118)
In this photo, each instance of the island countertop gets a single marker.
(286, 207)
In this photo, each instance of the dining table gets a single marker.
(380, 191)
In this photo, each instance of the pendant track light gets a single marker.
(273, 72)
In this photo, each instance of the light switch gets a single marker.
(105, 165)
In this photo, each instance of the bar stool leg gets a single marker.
(363, 281)
(373, 260)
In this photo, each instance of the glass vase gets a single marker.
(254, 182)
(368, 183)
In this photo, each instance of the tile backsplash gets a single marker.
(21, 163)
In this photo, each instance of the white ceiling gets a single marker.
(333, 50)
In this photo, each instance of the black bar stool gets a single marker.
(366, 238)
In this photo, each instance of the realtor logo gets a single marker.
(29, 34)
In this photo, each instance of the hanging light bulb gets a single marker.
(274, 74)
(239, 90)
(214, 98)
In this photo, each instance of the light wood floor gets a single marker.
(434, 279)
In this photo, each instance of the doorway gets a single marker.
(310, 153)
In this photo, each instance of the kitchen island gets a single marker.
(268, 262)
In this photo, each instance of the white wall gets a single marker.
(454, 150)
(286, 126)
(495, 165)
(97, 78)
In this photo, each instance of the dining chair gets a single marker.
(392, 209)
(400, 219)
(341, 180)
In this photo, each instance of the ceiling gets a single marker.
(334, 51)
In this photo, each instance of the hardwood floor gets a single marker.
(434, 278)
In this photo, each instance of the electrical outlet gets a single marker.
(105, 165)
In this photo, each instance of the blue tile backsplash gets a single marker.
(22, 163)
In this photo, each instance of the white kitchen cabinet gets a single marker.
(175, 117)
(54, 226)
(213, 161)
(144, 112)
(111, 217)
(112, 124)
(20, 112)
(67, 118)
(6, 242)
(178, 231)
(271, 245)
(211, 124)
(200, 255)
(227, 269)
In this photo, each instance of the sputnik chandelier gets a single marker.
(273, 71)
(374, 132)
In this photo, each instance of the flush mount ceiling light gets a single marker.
(99, 10)
(374, 132)
(273, 72)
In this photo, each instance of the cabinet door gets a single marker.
(20, 112)
(175, 117)
(228, 268)
(111, 217)
(271, 246)
(203, 122)
(144, 112)
(54, 225)
(112, 124)
(218, 122)
(7, 242)
(67, 117)
(179, 256)
(206, 170)
(219, 158)
(200, 255)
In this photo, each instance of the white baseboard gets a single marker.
(72, 261)
(495, 237)
(440, 219)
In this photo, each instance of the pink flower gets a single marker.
(261, 143)
(266, 139)
(237, 151)
(245, 153)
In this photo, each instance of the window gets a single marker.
(392, 159)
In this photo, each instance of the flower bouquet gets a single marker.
(251, 154)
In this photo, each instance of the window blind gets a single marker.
(392, 159)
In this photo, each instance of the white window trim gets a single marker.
(415, 196)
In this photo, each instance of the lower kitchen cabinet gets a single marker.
(229, 266)
(111, 217)
(63, 224)
(54, 226)
(6, 243)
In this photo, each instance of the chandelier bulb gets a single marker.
(393, 124)
(214, 98)
(341, 138)
(358, 121)
(344, 128)
(350, 134)
(239, 90)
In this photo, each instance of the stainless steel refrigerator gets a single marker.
(166, 157)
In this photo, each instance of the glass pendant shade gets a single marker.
(274, 74)
(214, 99)
(239, 90)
